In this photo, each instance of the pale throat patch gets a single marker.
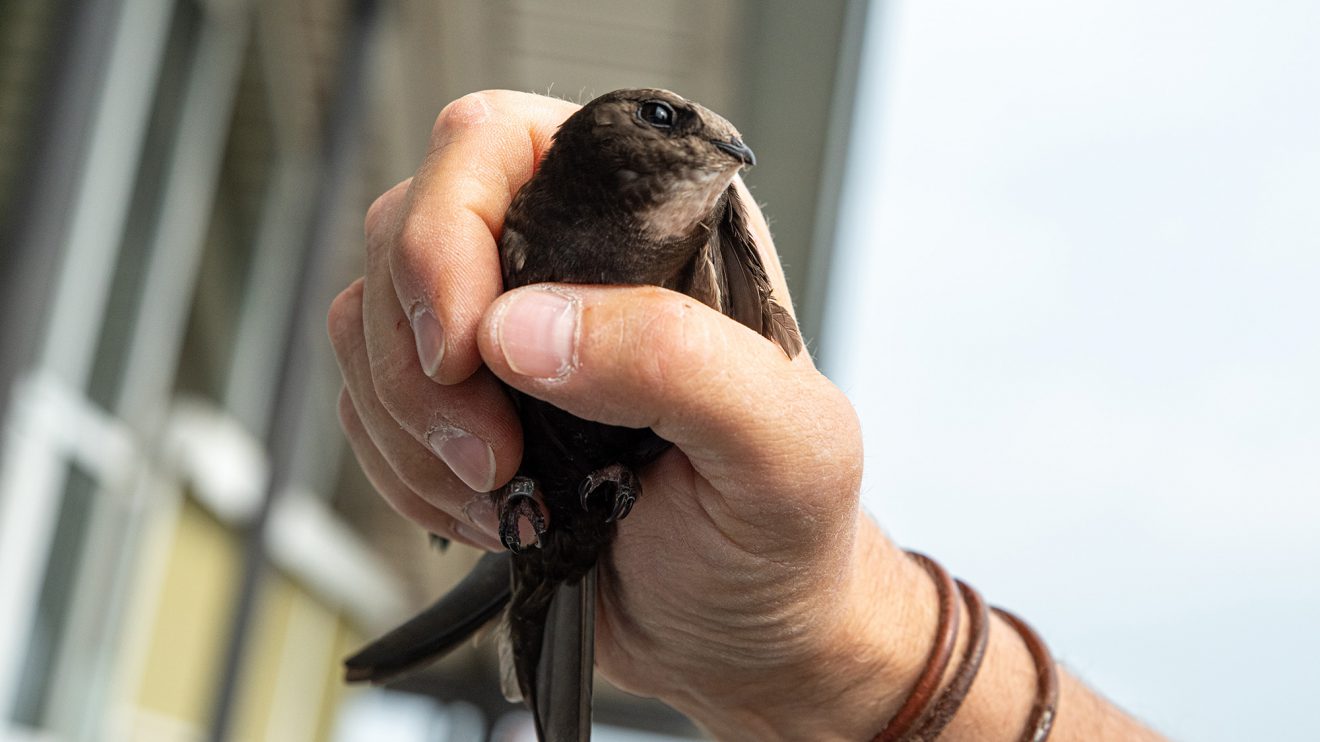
(685, 201)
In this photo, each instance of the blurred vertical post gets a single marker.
(33, 222)
(341, 146)
(88, 142)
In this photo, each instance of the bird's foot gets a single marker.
(518, 503)
(626, 489)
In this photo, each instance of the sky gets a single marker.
(1076, 302)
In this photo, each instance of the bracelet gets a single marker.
(946, 636)
(939, 716)
(1047, 685)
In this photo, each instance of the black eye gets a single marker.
(657, 113)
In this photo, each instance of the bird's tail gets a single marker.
(431, 634)
(561, 701)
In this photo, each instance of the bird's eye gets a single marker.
(657, 113)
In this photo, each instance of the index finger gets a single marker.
(443, 260)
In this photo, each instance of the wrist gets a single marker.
(870, 638)
(869, 655)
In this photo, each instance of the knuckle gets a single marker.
(417, 233)
(459, 115)
(344, 319)
(388, 201)
(375, 212)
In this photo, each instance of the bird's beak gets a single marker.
(740, 151)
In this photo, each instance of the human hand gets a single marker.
(740, 585)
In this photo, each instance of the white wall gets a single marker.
(1077, 303)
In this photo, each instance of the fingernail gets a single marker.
(483, 516)
(466, 455)
(473, 536)
(430, 338)
(538, 333)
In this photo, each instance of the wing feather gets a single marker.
(746, 292)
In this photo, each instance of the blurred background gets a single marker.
(1063, 258)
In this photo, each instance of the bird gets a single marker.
(637, 188)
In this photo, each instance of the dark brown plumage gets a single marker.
(636, 189)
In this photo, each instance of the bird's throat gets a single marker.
(681, 205)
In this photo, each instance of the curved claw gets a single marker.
(586, 490)
(622, 506)
(626, 489)
(519, 503)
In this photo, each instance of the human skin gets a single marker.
(746, 588)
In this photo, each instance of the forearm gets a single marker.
(872, 658)
(1001, 698)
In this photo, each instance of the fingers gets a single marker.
(441, 442)
(381, 221)
(403, 499)
(432, 268)
(439, 247)
(745, 415)
(470, 425)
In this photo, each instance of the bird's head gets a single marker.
(651, 130)
(656, 149)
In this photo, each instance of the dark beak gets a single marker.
(740, 151)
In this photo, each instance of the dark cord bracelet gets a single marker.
(1047, 685)
(939, 716)
(946, 636)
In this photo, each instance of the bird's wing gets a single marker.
(449, 621)
(745, 292)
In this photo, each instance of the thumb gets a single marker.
(748, 418)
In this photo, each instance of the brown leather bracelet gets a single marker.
(1046, 704)
(946, 707)
(946, 636)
